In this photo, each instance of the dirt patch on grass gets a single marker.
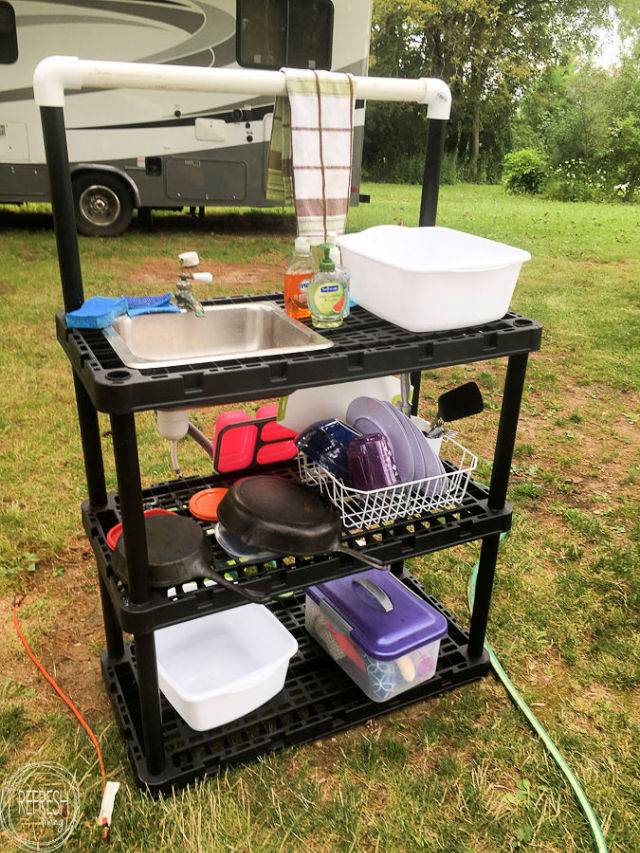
(243, 276)
(61, 618)
(159, 274)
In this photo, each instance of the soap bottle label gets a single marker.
(328, 298)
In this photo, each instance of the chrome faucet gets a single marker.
(184, 295)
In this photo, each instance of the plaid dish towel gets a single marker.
(310, 153)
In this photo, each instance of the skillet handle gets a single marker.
(248, 594)
(362, 558)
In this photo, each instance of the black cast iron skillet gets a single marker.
(178, 549)
(284, 517)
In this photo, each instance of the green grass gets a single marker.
(462, 772)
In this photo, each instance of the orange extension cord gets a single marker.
(85, 725)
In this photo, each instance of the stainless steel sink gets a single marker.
(225, 332)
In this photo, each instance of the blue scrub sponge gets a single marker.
(97, 312)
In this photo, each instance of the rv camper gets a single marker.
(142, 150)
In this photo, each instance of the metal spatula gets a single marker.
(461, 402)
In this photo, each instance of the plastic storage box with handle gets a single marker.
(381, 634)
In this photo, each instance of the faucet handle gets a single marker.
(188, 259)
(202, 276)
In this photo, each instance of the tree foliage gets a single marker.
(487, 50)
(585, 115)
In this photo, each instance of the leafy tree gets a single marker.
(487, 50)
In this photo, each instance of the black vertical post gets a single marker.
(150, 710)
(125, 449)
(91, 446)
(112, 629)
(507, 428)
(62, 203)
(416, 378)
(432, 164)
(503, 455)
(483, 592)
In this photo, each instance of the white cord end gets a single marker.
(106, 808)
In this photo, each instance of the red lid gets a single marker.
(204, 504)
(114, 534)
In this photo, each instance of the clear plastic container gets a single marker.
(383, 636)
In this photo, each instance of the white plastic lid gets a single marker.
(301, 246)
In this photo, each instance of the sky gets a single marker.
(610, 43)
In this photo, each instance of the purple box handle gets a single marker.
(382, 600)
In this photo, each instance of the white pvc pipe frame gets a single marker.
(55, 74)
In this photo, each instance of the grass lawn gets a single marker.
(461, 772)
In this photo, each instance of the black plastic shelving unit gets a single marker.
(392, 543)
(318, 698)
(318, 701)
(366, 346)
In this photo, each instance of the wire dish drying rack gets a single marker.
(418, 497)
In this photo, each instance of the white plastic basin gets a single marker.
(431, 279)
(220, 667)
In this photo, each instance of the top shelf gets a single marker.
(363, 347)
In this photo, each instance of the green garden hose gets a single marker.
(536, 725)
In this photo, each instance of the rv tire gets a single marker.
(104, 206)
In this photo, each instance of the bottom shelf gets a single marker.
(317, 701)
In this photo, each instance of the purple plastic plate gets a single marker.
(369, 415)
(419, 467)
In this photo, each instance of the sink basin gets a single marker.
(225, 332)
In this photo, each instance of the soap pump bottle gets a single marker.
(328, 293)
(300, 270)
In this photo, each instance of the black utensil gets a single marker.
(460, 402)
(285, 517)
(178, 549)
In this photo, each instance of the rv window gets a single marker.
(310, 33)
(274, 33)
(261, 27)
(8, 35)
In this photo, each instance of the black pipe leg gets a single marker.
(505, 442)
(507, 428)
(63, 205)
(125, 448)
(432, 165)
(112, 629)
(416, 379)
(483, 592)
(150, 709)
(91, 446)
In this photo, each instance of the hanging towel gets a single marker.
(310, 153)
(151, 305)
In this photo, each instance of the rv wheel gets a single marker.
(103, 205)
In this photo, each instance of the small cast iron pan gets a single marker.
(277, 515)
(178, 548)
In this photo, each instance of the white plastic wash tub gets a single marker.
(431, 279)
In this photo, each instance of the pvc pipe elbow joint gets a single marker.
(52, 76)
(438, 98)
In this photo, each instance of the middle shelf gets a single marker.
(391, 542)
